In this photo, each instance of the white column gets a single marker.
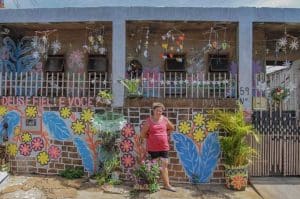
(245, 63)
(118, 61)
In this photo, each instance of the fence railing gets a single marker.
(165, 85)
(53, 84)
(184, 85)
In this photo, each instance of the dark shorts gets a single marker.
(158, 154)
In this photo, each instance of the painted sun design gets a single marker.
(184, 127)
(3, 110)
(31, 111)
(78, 127)
(43, 158)
(199, 135)
(65, 112)
(26, 137)
(212, 125)
(87, 115)
(198, 119)
(12, 149)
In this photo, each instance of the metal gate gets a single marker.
(278, 125)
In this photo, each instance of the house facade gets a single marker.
(55, 62)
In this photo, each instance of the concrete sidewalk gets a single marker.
(277, 187)
(44, 187)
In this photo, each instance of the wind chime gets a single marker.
(95, 41)
(40, 44)
(214, 42)
(142, 45)
(172, 43)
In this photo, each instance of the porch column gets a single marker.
(245, 63)
(118, 61)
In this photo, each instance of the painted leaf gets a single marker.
(57, 128)
(12, 118)
(209, 157)
(85, 154)
(188, 154)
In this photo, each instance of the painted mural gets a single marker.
(18, 56)
(64, 125)
(197, 147)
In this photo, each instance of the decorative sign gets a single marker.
(48, 102)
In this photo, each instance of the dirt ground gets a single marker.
(42, 187)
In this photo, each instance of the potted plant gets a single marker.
(104, 97)
(237, 152)
(132, 86)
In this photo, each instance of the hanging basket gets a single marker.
(109, 122)
(236, 177)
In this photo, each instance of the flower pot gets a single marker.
(236, 177)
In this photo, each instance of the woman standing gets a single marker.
(156, 130)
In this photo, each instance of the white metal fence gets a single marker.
(53, 84)
(184, 85)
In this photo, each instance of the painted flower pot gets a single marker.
(236, 177)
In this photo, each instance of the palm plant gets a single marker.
(236, 150)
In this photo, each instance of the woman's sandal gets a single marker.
(170, 189)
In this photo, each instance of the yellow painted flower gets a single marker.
(31, 111)
(12, 149)
(3, 110)
(212, 125)
(26, 137)
(184, 127)
(17, 131)
(65, 112)
(87, 115)
(43, 158)
(78, 127)
(198, 119)
(199, 135)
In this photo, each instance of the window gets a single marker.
(55, 63)
(218, 62)
(97, 63)
(175, 63)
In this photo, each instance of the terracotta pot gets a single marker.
(236, 177)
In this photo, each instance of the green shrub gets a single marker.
(70, 173)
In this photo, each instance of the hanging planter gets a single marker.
(279, 94)
(109, 122)
(132, 87)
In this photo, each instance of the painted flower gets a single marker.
(43, 158)
(17, 131)
(31, 111)
(54, 152)
(238, 182)
(12, 149)
(127, 160)
(184, 127)
(199, 135)
(87, 115)
(126, 145)
(127, 131)
(212, 125)
(3, 110)
(37, 144)
(25, 149)
(26, 137)
(198, 119)
(65, 112)
(78, 127)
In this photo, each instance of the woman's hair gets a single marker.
(158, 104)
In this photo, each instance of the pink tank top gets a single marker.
(158, 136)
